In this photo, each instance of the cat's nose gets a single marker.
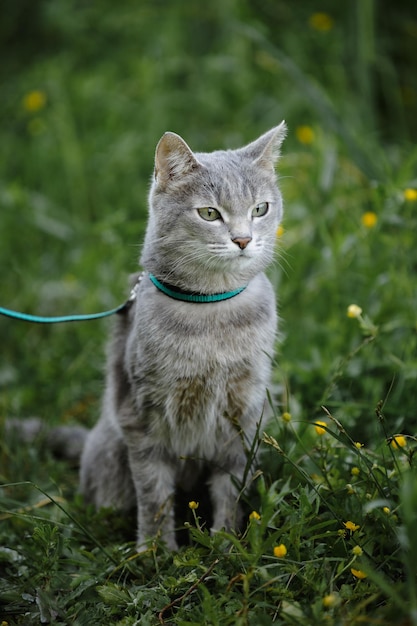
(242, 242)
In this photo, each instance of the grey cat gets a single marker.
(190, 360)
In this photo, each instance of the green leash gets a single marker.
(25, 317)
(37, 319)
(168, 290)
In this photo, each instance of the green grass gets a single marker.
(74, 173)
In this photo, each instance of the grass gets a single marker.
(86, 93)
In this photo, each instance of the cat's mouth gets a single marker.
(244, 256)
(226, 255)
(243, 259)
(245, 253)
(237, 255)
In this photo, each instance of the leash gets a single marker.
(37, 319)
(168, 290)
(25, 317)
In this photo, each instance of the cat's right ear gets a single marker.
(173, 159)
(265, 151)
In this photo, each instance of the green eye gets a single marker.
(209, 214)
(260, 210)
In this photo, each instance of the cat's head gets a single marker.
(213, 216)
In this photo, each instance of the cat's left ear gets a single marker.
(265, 151)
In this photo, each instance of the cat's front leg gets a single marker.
(224, 490)
(154, 480)
(227, 513)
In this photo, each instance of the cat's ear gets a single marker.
(173, 159)
(265, 151)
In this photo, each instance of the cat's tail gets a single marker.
(65, 442)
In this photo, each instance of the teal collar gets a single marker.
(189, 296)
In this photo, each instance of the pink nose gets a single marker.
(242, 242)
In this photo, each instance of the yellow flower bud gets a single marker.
(34, 101)
(280, 551)
(330, 600)
(410, 195)
(369, 219)
(354, 310)
(321, 22)
(351, 526)
(305, 134)
(319, 427)
(398, 441)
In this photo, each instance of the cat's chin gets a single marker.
(245, 263)
(236, 263)
(244, 260)
(247, 259)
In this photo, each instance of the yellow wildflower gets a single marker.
(410, 195)
(330, 600)
(322, 22)
(398, 441)
(280, 551)
(305, 134)
(34, 101)
(350, 489)
(317, 478)
(355, 471)
(369, 219)
(280, 231)
(351, 526)
(358, 573)
(354, 310)
(386, 510)
(286, 416)
(358, 445)
(254, 516)
(357, 551)
(319, 427)
(193, 505)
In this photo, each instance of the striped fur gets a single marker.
(186, 382)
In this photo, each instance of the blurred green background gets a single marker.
(88, 88)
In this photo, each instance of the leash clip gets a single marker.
(134, 291)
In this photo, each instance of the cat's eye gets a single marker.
(209, 214)
(260, 210)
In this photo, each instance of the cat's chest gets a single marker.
(196, 369)
(183, 340)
